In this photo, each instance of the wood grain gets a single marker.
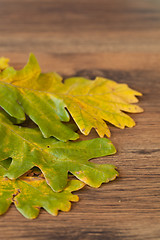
(115, 39)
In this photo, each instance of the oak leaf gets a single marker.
(46, 111)
(28, 148)
(4, 63)
(29, 194)
(46, 99)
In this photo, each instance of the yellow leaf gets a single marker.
(3, 63)
(92, 102)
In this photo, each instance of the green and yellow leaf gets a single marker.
(28, 148)
(46, 99)
(29, 194)
(46, 111)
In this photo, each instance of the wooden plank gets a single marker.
(79, 26)
(118, 40)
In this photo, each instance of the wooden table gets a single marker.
(120, 40)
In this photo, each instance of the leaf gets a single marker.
(45, 98)
(92, 102)
(28, 148)
(45, 110)
(29, 194)
(3, 63)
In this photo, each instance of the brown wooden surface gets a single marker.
(118, 39)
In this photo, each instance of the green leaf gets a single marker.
(44, 98)
(29, 194)
(45, 110)
(28, 148)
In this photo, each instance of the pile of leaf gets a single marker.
(37, 160)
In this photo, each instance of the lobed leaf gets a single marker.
(29, 194)
(46, 99)
(20, 94)
(92, 102)
(3, 63)
(28, 148)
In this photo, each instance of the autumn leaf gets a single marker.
(29, 194)
(3, 63)
(28, 148)
(45, 110)
(46, 99)
(92, 102)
